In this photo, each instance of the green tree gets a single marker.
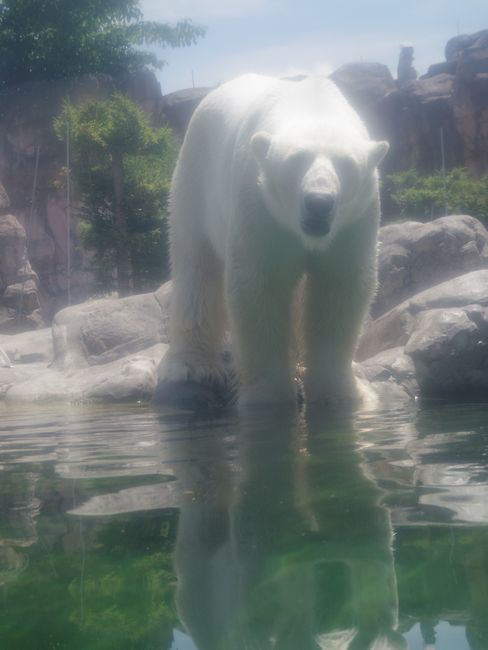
(122, 170)
(430, 196)
(50, 39)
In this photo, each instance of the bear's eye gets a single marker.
(298, 158)
(347, 168)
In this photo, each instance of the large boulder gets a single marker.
(178, 107)
(395, 328)
(449, 350)
(28, 347)
(414, 256)
(365, 85)
(104, 350)
(102, 331)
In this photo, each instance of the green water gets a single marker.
(128, 528)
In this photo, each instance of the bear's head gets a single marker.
(317, 178)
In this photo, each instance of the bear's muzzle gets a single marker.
(317, 214)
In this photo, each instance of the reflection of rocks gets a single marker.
(19, 295)
(20, 508)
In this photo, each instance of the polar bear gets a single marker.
(276, 183)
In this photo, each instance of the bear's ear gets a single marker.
(260, 144)
(377, 151)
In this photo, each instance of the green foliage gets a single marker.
(122, 169)
(50, 39)
(427, 197)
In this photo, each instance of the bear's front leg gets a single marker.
(337, 295)
(259, 300)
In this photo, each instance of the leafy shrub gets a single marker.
(122, 170)
(427, 197)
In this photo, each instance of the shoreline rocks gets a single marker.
(432, 344)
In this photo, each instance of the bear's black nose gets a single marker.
(317, 214)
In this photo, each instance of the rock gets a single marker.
(17, 375)
(452, 96)
(445, 67)
(4, 200)
(414, 256)
(394, 328)
(26, 117)
(394, 367)
(449, 349)
(365, 85)
(12, 248)
(178, 107)
(102, 331)
(470, 97)
(29, 347)
(411, 117)
(104, 350)
(19, 293)
(4, 359)
(405, 70)
(130, 378)
(23, 296)
(465, 45)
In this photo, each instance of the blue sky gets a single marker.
(282, 37)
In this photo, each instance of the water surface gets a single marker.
(127, 528)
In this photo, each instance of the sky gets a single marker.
(286, 37)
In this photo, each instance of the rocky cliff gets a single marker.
(31, 169)
(449, 102)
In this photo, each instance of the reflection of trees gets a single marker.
(442, 575)
(116, 593)
(294, 554)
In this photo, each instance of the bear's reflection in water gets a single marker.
(288, 548)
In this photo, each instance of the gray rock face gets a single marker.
(19, 294)
(4, 200)
(394, 328)
(432, 344)
(178, 107)
(102, 331)
(366, 85)
(414, 256)
(466, 44)
(392, 367)
(451, 96)
(105, 350)
(29, 347)
(449, 349)
(26, 117)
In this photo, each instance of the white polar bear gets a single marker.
(276, 181)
